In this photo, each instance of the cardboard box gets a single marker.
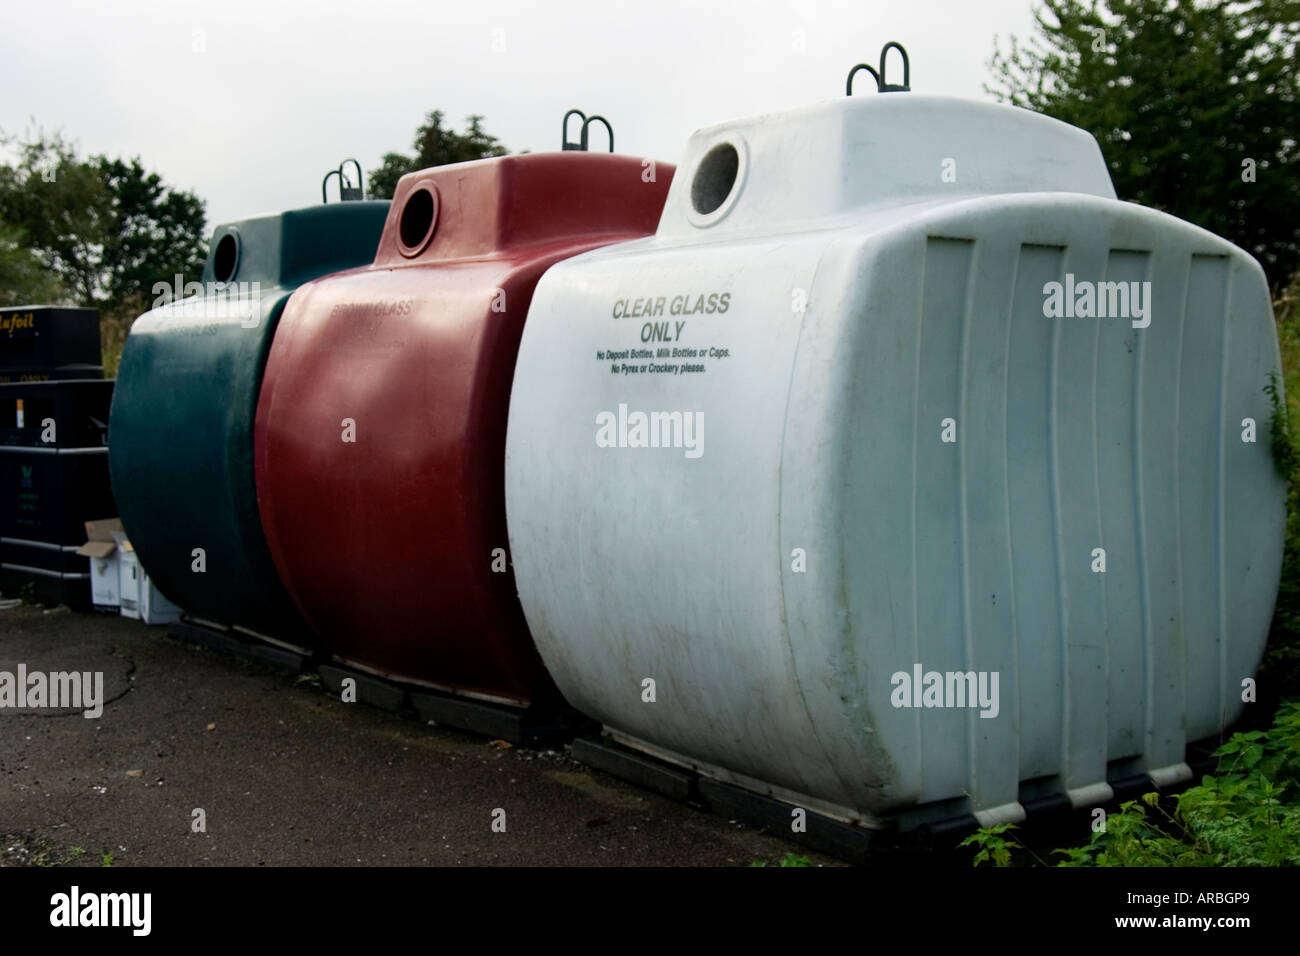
(140, 598)
(105, 575)
(154, 608)
(128, 576)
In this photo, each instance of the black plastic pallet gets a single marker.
(371, 690)
(543, 724)
(1046, 818)
(821, 833)
(235, 644)
(536, 725)
(662, 778)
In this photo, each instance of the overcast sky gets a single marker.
(249, 102)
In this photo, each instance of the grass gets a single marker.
(18, 849)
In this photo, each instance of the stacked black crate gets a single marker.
(54, 405)
(42, 343)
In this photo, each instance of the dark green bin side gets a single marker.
(181, 425)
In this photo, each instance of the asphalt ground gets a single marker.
(286, 774)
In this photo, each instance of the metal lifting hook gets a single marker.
(879, 77)
(347, 192)
(581, 144)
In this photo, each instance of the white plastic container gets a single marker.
(106, 582)
(154, 608)
(105, 563)
(140, 598)
(129, 573)
(910, 453)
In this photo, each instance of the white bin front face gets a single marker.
(895, 456)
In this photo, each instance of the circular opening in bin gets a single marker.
(226, 260)
(419, 215)
(717, 182)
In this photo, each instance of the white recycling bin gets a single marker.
(905, 472)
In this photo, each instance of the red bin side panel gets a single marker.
(380, 434)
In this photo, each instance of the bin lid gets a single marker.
(834, 157)
(487, 207)
(289, 248)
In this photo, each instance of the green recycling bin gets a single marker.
(181, 426)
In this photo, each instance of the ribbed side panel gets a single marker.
(988, 602)
(1032, 526)
(1117, 477)
(1253, 496)
(1159, 352)
(1071, 539)
(1077, 520)
(937, 541)
(1200, 488)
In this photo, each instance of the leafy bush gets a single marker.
(1247, 814)
(994, 846)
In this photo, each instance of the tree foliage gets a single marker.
(1187, 101)
(156, 231)
(97, 232)
(24, 279)
(434, 145)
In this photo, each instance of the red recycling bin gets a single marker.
(380, 432)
